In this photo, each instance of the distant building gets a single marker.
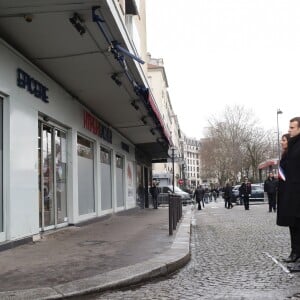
(192, 174)
(159, 87)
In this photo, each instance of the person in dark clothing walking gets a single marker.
(245, 192)
(291, 195)
(227, 196)
(199, 194)
(270, 187)
(154, 191)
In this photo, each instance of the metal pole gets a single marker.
(173, 149)
(170, 216)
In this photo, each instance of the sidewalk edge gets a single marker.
(171, 260)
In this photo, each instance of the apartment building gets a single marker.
(159, 86)
(192, 170)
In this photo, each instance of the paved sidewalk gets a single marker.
(117, 250)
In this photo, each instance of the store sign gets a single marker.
(33, 86)
(93, 125)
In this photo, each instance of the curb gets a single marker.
(171, 260)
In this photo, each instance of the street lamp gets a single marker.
(278, 143)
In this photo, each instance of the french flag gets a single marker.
(281, 173)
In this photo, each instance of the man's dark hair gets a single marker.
(296, 119)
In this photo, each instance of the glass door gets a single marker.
(1, 165)
(52, 176)
(120, 180)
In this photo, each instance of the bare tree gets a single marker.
(234, 146)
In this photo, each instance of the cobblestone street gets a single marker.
(236, 254)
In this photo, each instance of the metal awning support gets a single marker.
(119, 54)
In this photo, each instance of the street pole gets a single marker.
(278, 142)
(173, 149)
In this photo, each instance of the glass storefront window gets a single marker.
(1, 165)
(106, 180)
(86, 195)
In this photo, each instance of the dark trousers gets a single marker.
(228, 203)
(155, 203)
(295, 237)
(246, 202)
(199, 204)
(272, 202)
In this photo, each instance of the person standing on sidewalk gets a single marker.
(227, 196)
(154, 193)
(282, 207)
(292, 191)
(199, 194)
(245, 192)
(270, 187)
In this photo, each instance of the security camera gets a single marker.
(28, 18)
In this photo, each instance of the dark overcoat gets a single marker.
(292, 184)
(283, 218)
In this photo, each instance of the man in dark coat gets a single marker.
(154, 191)
(270, 187)
(292, 191)
(199, 194)
(227, 196)
(245, 192)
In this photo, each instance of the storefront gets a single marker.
(68, 138)
(65, 165)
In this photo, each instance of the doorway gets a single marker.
(120, 180)
(1, 166)
(52, 176)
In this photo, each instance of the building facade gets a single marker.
(192, 170)
(73, 93)
(159, 86)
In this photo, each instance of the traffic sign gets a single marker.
(180, 181)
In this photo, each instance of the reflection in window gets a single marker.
(105, 156)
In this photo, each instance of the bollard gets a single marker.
(175, 212)
(170, 216)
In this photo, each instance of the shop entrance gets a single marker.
(1, 166)
(52, 176)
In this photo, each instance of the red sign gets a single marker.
(93, 125)
(180, 181)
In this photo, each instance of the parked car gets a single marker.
(257, 193)
(164, 192)
(235, 193)
(187, 190)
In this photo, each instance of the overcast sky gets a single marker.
(226, 52)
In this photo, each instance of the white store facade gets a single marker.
(61, 163)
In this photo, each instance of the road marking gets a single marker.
(284, 268)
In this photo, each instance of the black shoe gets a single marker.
(292, 258)
(295, 268)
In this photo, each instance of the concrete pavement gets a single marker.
(111, 252)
